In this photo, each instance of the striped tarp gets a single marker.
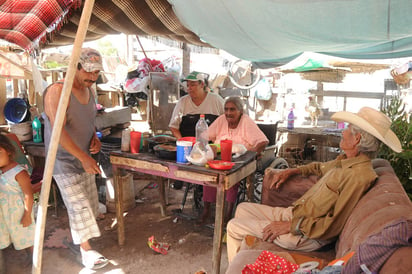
(23, 22)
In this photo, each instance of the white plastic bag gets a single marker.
(200, 157)
(238, 150)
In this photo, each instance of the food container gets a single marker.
(222, 165)
(159, 139)
(165, 151)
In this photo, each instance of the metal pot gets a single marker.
(165, 151)
(159, 139)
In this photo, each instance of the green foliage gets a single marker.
(52, 65)
(106, 48)
(402, 127)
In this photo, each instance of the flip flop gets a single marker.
(92, 259)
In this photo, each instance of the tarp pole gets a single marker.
(55, 136)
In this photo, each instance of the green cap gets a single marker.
(195, 76)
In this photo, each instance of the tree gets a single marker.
(402, 127)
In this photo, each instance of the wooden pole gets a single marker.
(55, 137)
(3, 99)
(144, 52)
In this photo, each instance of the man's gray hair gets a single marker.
(368, 144)
(237, 101)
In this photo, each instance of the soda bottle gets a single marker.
(291, 120)
(202, 136)
(36, 125)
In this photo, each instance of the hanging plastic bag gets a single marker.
(262, 90)
(136, 85)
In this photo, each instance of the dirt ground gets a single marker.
(191, 246)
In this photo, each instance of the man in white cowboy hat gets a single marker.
(318, 217)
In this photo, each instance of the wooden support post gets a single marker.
(162, 194)
(218, 233)
(118, 194)
(3, 99)
(186, 60)
(55, 76)
(15, 87)
(250, 180)
(32, 93)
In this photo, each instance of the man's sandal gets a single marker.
(92, 259)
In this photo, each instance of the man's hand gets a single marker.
(95, 145)
(90, 165)
(280, 177)
(275, 229)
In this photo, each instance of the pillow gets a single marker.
(380, 246)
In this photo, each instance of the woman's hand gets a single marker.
(275, 229)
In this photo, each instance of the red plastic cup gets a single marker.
(135, 137)
(226, 150)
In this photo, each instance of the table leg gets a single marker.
(250, 187)
(118, 198)
(217, 237)
(163, 181)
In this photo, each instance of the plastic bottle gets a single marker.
(202, 136)
(125, 146)
(36, 125)
(291, 120)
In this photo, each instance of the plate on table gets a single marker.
(222, 165)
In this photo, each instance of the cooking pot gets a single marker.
(159, 139)
(165, 151)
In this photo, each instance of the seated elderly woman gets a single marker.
(241, 129)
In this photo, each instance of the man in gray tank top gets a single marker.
(75, 169)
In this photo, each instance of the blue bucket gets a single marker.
(16, 110)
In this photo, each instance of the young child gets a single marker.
(16, 201)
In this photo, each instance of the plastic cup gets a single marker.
(135, 137)
(183, 149)
(226, 150)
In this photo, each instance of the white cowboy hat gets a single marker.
(373, 122)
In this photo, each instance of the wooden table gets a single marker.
(149, 164)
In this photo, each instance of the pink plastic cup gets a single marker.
(226, 150)
(135, 137)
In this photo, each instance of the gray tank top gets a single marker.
(80, 126)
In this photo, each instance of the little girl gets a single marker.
(16, 201)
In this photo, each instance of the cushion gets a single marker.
(291, 190)
(380, 246)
